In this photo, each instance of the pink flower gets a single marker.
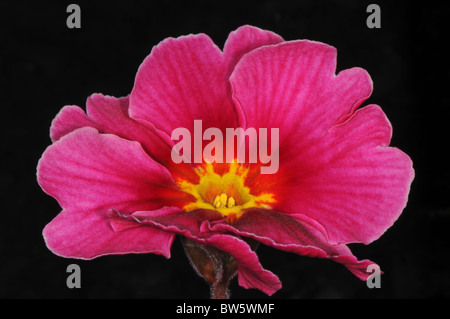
(338, 181)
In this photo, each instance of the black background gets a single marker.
(44, 66)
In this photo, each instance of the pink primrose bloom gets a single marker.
(338, 181)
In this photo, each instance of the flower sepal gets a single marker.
(214, 265)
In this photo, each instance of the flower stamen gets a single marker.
(231, 202)
(223, 200)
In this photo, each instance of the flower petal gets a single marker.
(86, 170)
(334, 163)
(250, 272)
(120, 221)
(188, 224)
(182, 80)
(193, 225)
(240, 42)
(245, 39)
(88, 234)
(349, 180)
(109, 114)
(69, 118)
(294, 233)
(293, 86)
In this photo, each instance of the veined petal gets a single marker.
(292, 86)
(245, 39)
(187, 78)
(349, 180)
(240, 42)
(69, 118)
(188, 224)
(250, 272)
(183, 80)
(88, 234)
(294, 233)
(121, 222)
(109, 114)
(86, 170)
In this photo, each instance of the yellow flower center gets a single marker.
(224, 191)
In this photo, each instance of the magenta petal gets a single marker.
(245, 39)
(86, 170)
(112, 115)
(193, 225)
(184, 223)
(293, 86)
(335, 166)
(109, 114)
(349, 180)
(182, 80)
(294, 233)
(88, 234)
(120, 221)
(240, 42)
(70, 118)
(250, 272)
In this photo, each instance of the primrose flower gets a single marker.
(336, 182)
